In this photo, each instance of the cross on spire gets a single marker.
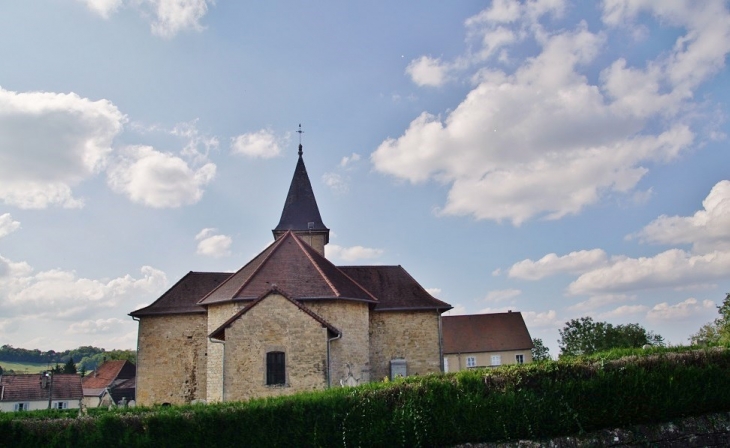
(300, 132)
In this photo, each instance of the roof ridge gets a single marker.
(276, 245)
(300, 243)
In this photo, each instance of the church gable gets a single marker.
(274, 346)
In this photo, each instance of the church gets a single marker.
(287, 321)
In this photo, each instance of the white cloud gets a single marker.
(491, 310)
(668, 269)
(61, 295)
(51, 142)
(706, 230)
(541, 319)
(105, 8)
(350, 254)
(502, 295)
(212, 244)
(260, 144)
(336, 182)
(349, 160)
(544, 141)
(434, 291)
(167, 17)
(156, 179)
(624, 311)
(427, 71)
(600, 301)
(96, 326)
(198, 146)
(7, 225)
(666, 312)
(551, 264)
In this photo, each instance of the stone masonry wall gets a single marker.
(274, 324)
(352, 350)
(411, 335)
(457, 361)
(171, 359)
(217, 314)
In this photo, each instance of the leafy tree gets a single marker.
(69, 367)
(539, 351)
(1, 370)
(584, 336)
(82, 371)
(57, 369)
(717, 331)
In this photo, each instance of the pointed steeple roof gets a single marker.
(300, 213)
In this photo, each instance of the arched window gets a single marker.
(275, 368)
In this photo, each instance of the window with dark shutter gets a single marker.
(275, 368)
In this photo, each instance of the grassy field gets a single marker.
(24, 367)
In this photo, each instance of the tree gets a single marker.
(1, 370)
(69, 367)
(584, 336)
(717, 331)
(57, 369)
(82, 371)
(539, 351)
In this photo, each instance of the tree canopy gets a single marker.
(539, 351)
(717, 331)
(584, 336)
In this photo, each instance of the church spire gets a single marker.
(301, 213)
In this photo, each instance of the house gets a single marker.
(485, 340)
(287, 321)
(31, 392)
(109, 384)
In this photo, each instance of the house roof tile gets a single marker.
(28, 387)
(394, 287)
(485, 333)
(183, 296)
(107, 373)
(294, 266)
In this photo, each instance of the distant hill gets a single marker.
(86, 357)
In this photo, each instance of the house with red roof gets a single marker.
(485, 340)
(31, 392)
(288, 320)
(111, 383)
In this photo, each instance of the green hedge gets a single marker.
(514, 402)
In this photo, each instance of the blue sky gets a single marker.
(562, 159)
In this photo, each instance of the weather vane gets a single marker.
(300, 132)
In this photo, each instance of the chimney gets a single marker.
(44, 380)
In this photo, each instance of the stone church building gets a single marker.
(288, 321)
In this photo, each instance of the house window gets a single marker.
(21, 406)
(446, 365)
(496, 360)
(471, 361)
(520, 359)
(275, 368)
(60, 405)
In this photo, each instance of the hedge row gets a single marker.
(514, 402)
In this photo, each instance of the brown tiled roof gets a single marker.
(28, 387)
(107, 373)
(183, 297)
(478, 333)
(300, 207)
(219, 333)
(394, 288)
(295, 267)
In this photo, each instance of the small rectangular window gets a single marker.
(496, 360)
(471, 361)
(60, 405)
(520, 359)
(275, 368)
(446, 365)
(21, 406)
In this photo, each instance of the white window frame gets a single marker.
(20, 407)
(496, 360)
(60, 405)
(520, 359)
(471, 361)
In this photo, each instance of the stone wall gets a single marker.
(274, 324)
(410, 335)
(457, 361)
(351, 352)
(171, 359)
(217, 315)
